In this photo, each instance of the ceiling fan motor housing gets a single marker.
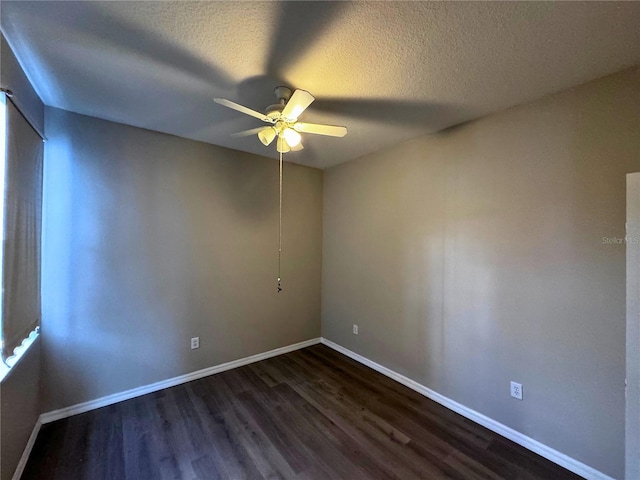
(274, 111)
(283, 94)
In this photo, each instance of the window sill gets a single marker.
(20, 352)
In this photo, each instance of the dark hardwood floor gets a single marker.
(310, 414)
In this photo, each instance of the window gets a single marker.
(21, 152)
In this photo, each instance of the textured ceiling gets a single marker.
(388, 71)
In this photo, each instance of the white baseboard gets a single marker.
(27, 451)
(547, 452)
(171, 382)
(529, 443)
(139, 391)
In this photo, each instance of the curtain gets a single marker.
(22, 226)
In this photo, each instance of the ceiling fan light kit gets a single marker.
(291, 136)
(282, 146)
(266, 135)
(283, 120)
(283, 117)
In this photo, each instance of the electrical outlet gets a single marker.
(355, 329)
(516, 390)
(195, 343)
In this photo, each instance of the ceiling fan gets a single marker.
(283, 120)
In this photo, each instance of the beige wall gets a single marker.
(150, 240)
(476, 256)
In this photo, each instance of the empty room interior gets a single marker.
(320, 240)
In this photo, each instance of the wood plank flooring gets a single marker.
(312, 414)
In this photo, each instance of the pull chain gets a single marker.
(280, 227)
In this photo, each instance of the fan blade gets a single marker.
(330, 130)
(297, 148)
(246, 133)
(242, 109)
(297, 104)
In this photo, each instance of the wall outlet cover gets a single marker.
(195, 343)
(355, 329)
(516, 390)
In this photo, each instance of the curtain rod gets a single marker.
(9, 94)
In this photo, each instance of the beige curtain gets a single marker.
(22, 227)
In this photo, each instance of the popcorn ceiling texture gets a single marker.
(389, 71)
